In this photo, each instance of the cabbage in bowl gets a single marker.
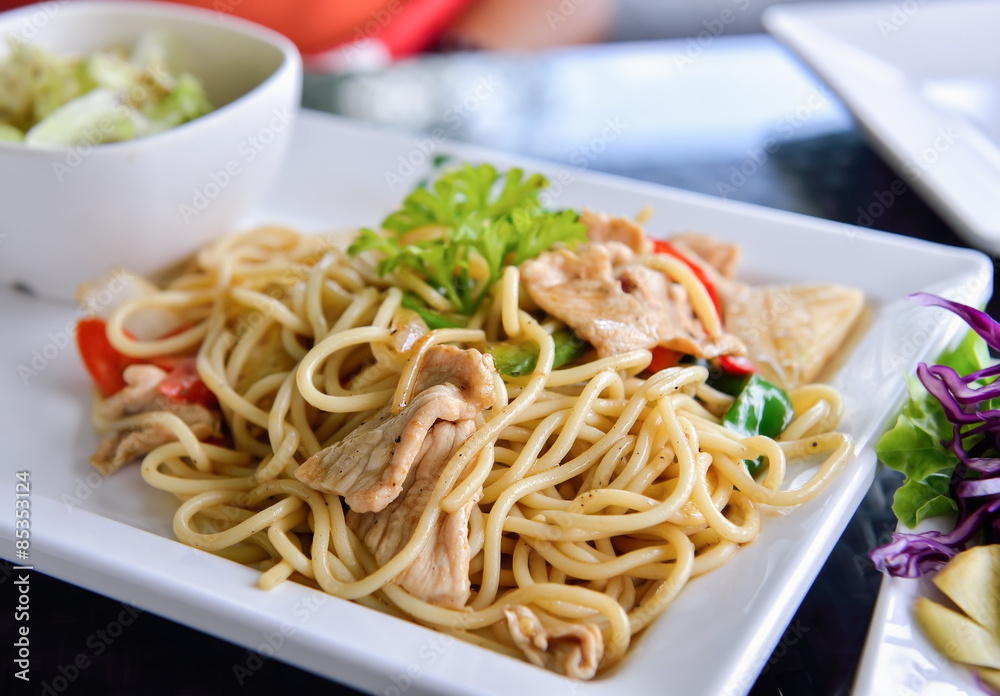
(49, 100)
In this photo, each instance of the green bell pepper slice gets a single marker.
(516, 359)
(761, 408)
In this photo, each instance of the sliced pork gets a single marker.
(581, 290)
(469, 370)
(440, 573)
(618, 308)
(568, 648)
(677, 327)
(387, 468)
(141, 395)
(602, 228)
(406, 329)
(370, 467)
(720, 256)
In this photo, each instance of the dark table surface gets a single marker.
(694, 117)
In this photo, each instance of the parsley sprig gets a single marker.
(474, 211)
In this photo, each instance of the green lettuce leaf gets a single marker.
(914, 446)
(917, 500)
(968, 356)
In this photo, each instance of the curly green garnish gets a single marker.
(467, 214)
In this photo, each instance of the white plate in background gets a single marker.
(114, 536)
(923, 79)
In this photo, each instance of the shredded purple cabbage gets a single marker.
(912, 555)
(975, 483)
(979, 321)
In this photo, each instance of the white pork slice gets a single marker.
(440, 573)
(468, 369)
(582, 291)
(141, 395)
(619, 309)
(667, 304)
(370, 467)
(568, 648)
(406, 329)
(705, 249)
(602, 227)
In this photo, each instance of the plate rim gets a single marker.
(65, 563)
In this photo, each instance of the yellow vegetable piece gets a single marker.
(791, 331)
(972, 581)
(990, 677)
(956, 636)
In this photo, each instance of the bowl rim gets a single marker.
(290, 67)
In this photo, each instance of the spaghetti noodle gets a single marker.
(591, 493)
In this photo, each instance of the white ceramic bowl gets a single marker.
(151, 200)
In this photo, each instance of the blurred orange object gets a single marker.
(404, 26)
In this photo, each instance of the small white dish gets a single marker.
(923, 80)
(70, 214)
(898, 658)
(114, 535)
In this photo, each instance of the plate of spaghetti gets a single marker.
(483, 434)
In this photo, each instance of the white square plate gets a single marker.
(114, 536)
(923, 79)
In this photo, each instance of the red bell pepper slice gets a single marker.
(183, 384)
(106, 366)
(102, 360)
(663, 358)
(737, 365)
(661, 246)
